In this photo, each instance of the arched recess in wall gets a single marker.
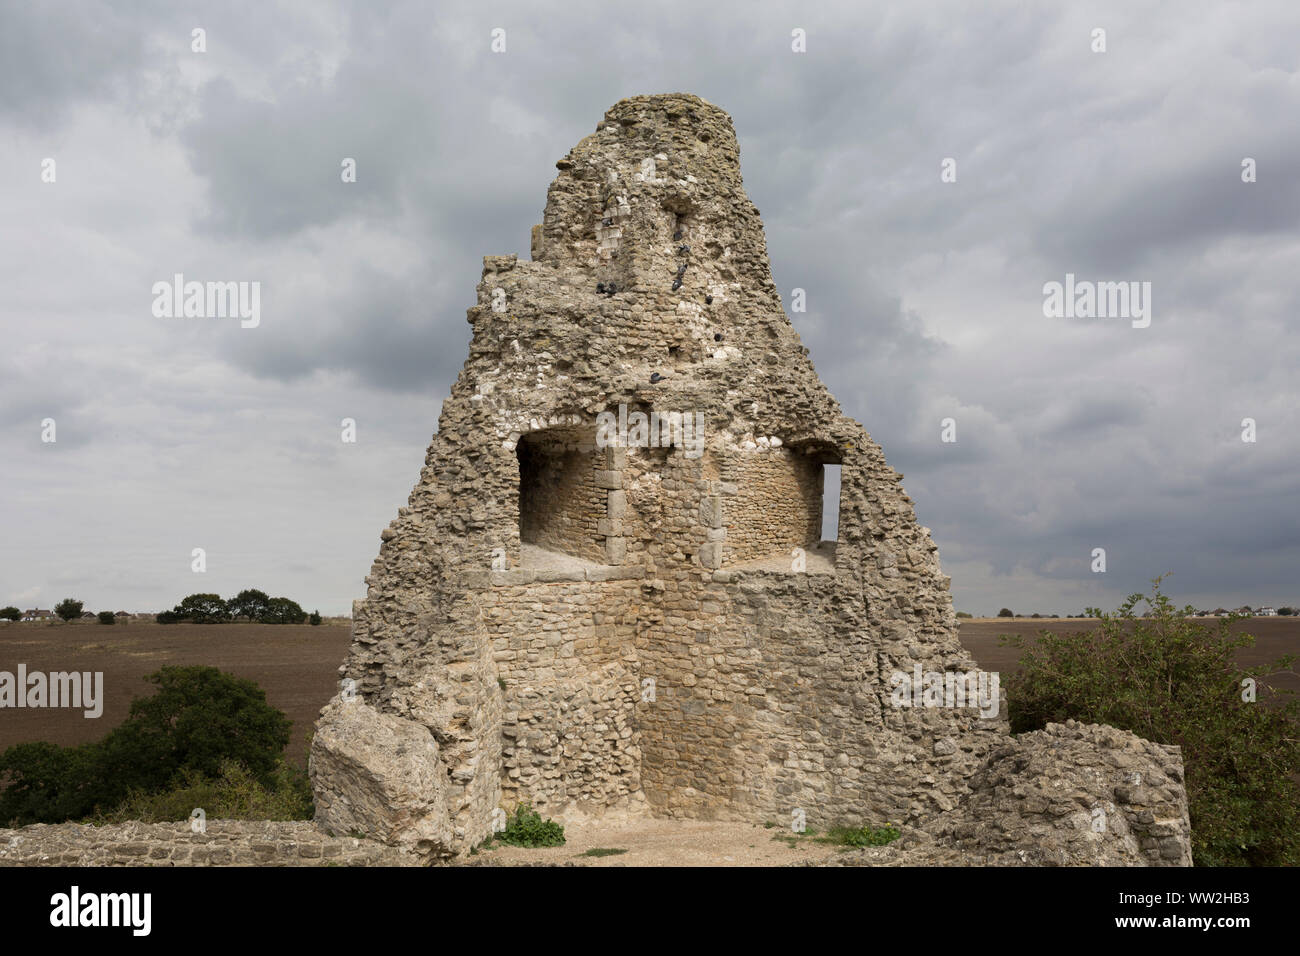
(779, 507)
(560, 503)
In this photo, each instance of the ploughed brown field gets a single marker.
(297, 666)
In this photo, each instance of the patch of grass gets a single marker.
(526, 828)
(602, 851)
(846, 837)
(861, 836)
(792, 840)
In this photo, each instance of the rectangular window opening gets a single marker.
(830, 502)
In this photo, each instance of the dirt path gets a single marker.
(651, 842)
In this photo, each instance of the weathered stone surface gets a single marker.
(378, 776)
(688, 647)
(1075, 795)
(225, 843)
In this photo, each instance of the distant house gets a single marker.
(122, 616)
(1219, 612)
(38, 614)
(1244, 609)
(87, 615)
(1266, 612)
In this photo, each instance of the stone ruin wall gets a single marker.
(749, 716)
(770, 685)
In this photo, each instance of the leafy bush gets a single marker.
(1005, 612)
(315, 619)
(198, 718)
(106, 617)
(168, 617)
(1174, 680)
(233, 794)
(10, 613)
(527, 828)
(68, 609)
(963, 614)
(51, 784)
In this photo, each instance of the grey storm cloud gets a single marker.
(924, 298)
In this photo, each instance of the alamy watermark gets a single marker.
(208, 300)
(1085, 299)
(74, 689)
(952, 689)
(683, 430)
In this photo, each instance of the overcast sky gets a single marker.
(925, 298)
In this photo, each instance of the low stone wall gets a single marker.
(226, 843)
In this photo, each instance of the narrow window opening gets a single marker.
(830, 502)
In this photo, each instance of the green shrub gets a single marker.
(315, 619)
(1174, 680)
(233, 794)
(1005, 612)
(106, 617)
(10, 613)
(527, 828)
(51, 784)
(197, 719)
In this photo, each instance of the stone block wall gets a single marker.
(777, 506)
(563, 650)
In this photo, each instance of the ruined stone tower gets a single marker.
(643, 618)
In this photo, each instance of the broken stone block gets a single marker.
(380, 776)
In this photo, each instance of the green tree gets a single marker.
(10, 613)
(1005, 612)
(250, 603)
(198, 716)
(1169, 678)
(107, 617)
(197, 719)
(69, 609)
(203, 609)
(315, 619)
(281, 610)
